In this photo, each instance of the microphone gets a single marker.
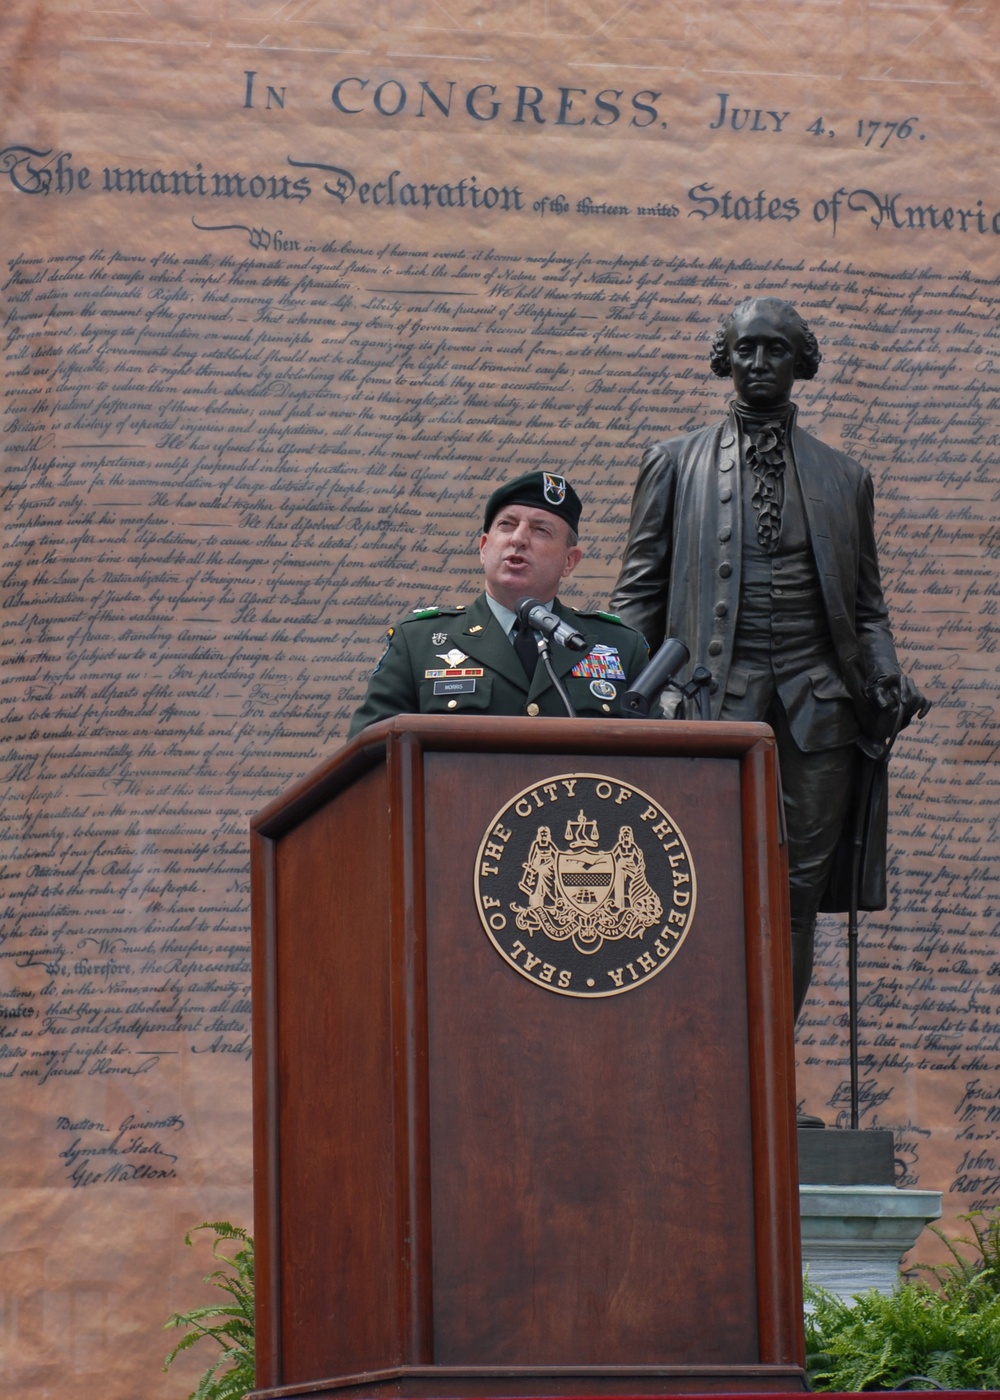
(654, 677)
(532, 613)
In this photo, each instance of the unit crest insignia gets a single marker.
(598, 915)
(554, 488)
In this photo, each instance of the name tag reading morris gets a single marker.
(454, 687)
(584, 885)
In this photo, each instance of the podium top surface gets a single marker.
(503, 734)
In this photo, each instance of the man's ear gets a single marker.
(573, 557)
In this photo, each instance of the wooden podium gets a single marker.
(504, 1145)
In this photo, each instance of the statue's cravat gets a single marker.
(765, 456)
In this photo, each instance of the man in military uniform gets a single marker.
(468, 660)
(754, 543)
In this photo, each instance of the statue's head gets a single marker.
(764, 345)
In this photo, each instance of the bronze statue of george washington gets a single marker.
(754, 543)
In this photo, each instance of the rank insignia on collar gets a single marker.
(453, 658)
(439, 638)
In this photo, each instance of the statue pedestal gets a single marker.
(853, 1237)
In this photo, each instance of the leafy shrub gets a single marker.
(980, 1275)
(229, 1324)
(926, 1335)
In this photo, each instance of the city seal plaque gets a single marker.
(585, 885)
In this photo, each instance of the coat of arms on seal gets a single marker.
(585, 885)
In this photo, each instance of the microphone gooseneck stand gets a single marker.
(546, 624)
(545, 652)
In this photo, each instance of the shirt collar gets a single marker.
(506, 618)
(757, 418)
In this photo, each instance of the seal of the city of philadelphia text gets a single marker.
(585, 885)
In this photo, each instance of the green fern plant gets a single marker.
(915, 1335)
(923, 1336)
(940, 1335)
(980, 1275)
(230, 1324)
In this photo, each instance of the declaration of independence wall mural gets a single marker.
(286, 289)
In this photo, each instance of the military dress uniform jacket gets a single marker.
(405, 679)
(680, 573)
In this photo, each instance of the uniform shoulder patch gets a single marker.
(605, 616)
(618, 622)
(390, 632)
(421, 614)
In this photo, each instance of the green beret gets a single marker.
(544, 491)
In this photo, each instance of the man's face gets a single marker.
(763, 348)
(525, 554)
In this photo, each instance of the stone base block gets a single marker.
(853, 1237)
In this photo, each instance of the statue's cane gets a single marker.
(870, 763)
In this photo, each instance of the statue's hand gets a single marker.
(897, 695)
(915, 704)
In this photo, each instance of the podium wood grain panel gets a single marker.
(466, 1183)
(339, 1200)
(584, 1147)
